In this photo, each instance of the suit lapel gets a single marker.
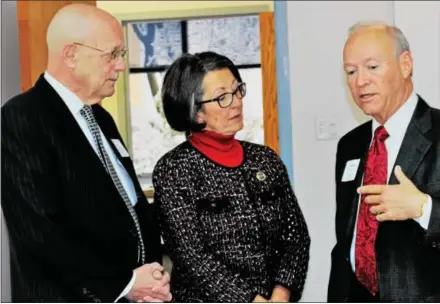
(66, 124)
(75, 140)
(359, 151)
(110, 133)
(415, 144)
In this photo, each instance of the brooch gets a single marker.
(261, 176)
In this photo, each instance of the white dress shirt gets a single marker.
(75, 104)
(396, 127)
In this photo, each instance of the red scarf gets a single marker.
(224, 150)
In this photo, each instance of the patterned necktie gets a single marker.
(376, 171)
(87, 113)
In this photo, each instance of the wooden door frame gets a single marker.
(33, 18)
(269, 72)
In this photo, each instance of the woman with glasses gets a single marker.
(230, 220)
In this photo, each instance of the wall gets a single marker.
(316, 36)
(420, 21)
(10, 86)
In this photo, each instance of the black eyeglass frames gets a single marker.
(226, 99)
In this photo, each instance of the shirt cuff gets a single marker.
(128, 287)
(426, 216)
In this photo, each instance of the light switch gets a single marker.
(326, 128)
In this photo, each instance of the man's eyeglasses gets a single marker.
(115, 54)
(226, 99)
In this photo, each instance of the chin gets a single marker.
(240, 127)
(369, 109)
(108, 93)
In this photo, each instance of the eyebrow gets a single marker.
(117, 48)
(224, 88)
(369, 59)
(363, 61)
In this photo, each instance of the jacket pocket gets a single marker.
(271, 195)
(213, 205)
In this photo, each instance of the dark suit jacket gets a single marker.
(72, 238)
(408, 257)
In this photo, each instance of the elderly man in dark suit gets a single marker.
(387, 179)
(81, 229)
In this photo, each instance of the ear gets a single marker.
(200, 116)
(406, 64)
(69, 55)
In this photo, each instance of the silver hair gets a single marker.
(401, 43)
(193, 110)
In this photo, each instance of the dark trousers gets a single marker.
(358, 292)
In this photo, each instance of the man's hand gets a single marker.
(164, 290)
(395, 202)
(260, 299)
(150, 285)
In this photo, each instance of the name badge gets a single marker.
(351, 169)
(120, 147)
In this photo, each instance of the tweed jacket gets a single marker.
(232, 233)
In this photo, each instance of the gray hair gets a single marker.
(401, 43)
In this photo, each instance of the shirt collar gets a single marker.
(72, 101)
(399, 121)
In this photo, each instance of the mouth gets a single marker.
(238, 116)
(367, 96)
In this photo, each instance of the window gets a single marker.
(153, 46)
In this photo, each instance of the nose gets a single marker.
(236, 101)
(362, 78)
(120, 65)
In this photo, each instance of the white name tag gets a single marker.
(351, 169)
(120, 147)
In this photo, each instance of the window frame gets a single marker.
(184, 29)
(119, 106)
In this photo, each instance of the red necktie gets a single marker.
(375, 173)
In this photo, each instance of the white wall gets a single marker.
(316, 34)
(10, 84)
(420, 22)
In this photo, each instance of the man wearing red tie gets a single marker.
(387, 179)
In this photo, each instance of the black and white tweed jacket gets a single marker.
(231, 233)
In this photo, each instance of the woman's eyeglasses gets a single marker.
(226, 99)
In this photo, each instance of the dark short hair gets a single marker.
(182, 86)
